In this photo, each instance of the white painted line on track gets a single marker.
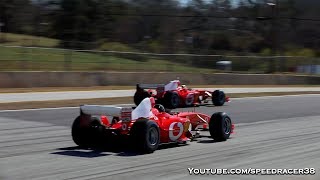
(38, 109)
(243, 98)
(257, 123)
(57, 108)
(270, 121)
(270, 97)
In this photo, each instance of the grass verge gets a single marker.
(120, 100)
(37, 59)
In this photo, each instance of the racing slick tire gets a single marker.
(189, 99)
(139, 96)
(171, 100)
(145, 136)
(218, 98)
(86, 136)
(79, 134)
(220, 126)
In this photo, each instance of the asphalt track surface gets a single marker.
(67, 95)
(271, 132)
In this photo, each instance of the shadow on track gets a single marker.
(100, 151)
(79, 152)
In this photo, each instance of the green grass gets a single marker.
(27, 40)
(24, 59)
(15, 59)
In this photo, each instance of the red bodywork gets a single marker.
(190, 97)
(174, 127)
(187, 97)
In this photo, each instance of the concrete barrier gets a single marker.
(82, 79)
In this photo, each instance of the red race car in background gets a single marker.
(173, 95)
(146, 126)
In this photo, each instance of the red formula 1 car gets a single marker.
(173, 95)
(145, 126)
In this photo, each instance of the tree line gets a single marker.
(170, 26)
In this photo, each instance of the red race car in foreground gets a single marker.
(146, 126)
(173, 95)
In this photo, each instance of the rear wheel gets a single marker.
(220, 126)
(87, 136)
(80, 134)
(145, 136)
(218, 98)
(171, 100)
(139, 96)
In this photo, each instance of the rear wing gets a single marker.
(172, 85)
(124, 113)
(143, 110)
(160, 88)
(150, 86)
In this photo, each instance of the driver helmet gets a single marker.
(160, 108)
(184, 86)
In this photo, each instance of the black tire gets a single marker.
(139, 96)
(220, 126)
(171, 100)
(86, 136)
(190, 99)
(80, 134)
(145, 136)
(96, 135)
(218, 98)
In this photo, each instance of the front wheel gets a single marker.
(220, 126)
(218, 98)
